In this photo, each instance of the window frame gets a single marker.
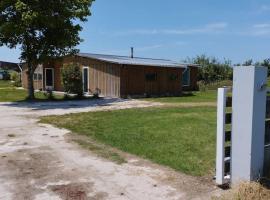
(147, 75)
(187, 70)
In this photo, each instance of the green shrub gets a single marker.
(6, 74)
(16, 78)
(72, 79)
(203, 86)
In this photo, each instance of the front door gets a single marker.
(85, 79)
(49, 78)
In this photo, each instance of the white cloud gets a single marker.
(146, 48)
(261, 26)
(265, 8)
(262, 29)
(208, 28)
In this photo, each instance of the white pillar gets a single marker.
(220, 150)
(248, 123)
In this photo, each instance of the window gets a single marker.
(151, 77)
(35, 76)
(39, 77)
(186, 77)
(173, 77)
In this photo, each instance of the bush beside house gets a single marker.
(72, 79)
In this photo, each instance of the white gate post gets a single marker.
(248, 123)
(220, 154)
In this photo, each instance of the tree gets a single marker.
(212, 69)
(248, 62)
(43, 29)
(72, 79)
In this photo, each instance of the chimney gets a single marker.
(132, 52)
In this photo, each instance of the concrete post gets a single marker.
(248, 123)
(220, 151)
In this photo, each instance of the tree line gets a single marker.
(212, 69)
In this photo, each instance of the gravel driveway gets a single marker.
(38, 162)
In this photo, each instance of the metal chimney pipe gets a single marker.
(132, 52)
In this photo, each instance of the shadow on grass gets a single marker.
(184, 94)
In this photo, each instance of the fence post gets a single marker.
(248, 123)
(220, 154)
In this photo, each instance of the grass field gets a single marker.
(188, 97)
(9, 93)
(181, 138)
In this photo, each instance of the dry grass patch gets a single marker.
(248, 191)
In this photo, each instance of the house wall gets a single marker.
(104, 77)
(38, 84)
(134, 83)
(114, 80)
(193, 80)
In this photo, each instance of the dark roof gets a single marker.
(125, 60)
(9, 66)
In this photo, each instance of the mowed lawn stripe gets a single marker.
(181, 138)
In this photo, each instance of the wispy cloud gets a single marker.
(262, 29)
(206, 29)
(148, 48)
(265, 8)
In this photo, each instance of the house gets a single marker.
(119, 76)
(9, 66)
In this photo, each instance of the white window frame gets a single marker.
(187, 70)
(46, 86)
(88, 81)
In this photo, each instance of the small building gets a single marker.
(10, 66)
(119, 76)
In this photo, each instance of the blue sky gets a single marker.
(176, 29)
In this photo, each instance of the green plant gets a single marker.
(42, 30)
(49, 95)
(16, 78)
(72, 79)
(96, 93)
(6, 75)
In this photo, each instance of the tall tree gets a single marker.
(42, 29)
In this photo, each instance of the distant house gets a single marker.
(120, 76)
(9, 66)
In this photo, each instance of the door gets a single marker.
(49, 78)
(85, 79)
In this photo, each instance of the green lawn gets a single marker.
(188, 97)
(182, 138)
(9, 93)
(5, 84)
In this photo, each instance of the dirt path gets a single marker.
(38, 162)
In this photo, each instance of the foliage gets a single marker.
(43, 29)
(5, 74)
(49, 95)
(96, 93)
(72, 79)
(16, 78)
(213, 85)
(212, 70)
(248, 62)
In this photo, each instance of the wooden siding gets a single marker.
(114, 80)
(104, 77)
(134, 83)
